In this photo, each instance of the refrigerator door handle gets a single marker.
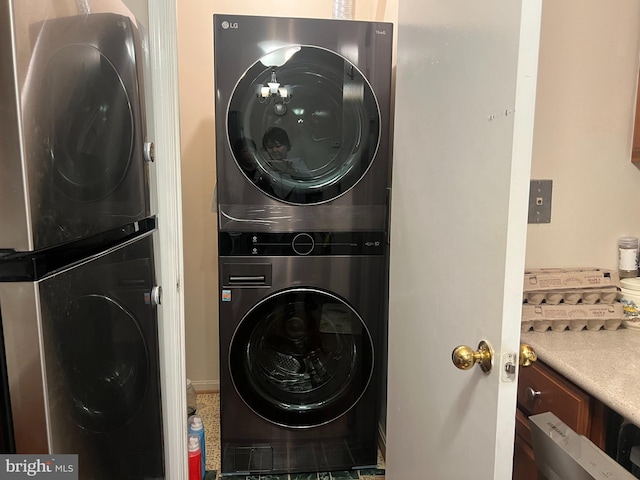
(156, 295)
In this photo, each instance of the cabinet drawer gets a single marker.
(523, 429)
(524, 465)
(541, 390)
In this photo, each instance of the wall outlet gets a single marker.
(540, 201)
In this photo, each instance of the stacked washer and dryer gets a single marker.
(303, 167)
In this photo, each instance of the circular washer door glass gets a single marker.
(87, 122)
(303, 124)
(301, 358)
(104, 360)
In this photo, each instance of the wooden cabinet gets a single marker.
(635, 154)
(541, 389)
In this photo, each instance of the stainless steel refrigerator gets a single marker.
(78, 296)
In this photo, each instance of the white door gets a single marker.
(158, 18)
(465, 95)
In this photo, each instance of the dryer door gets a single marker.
(301, 358)
(303, 124)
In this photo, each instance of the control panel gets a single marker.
(301, 243)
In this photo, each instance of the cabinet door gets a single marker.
(541, 389)
(524, 465)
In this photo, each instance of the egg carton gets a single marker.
(572, 296)
(565, 278)
(558, 318)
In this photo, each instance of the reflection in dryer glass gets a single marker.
(304, 125)
(87, 122)
(104, 361)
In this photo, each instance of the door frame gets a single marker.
(163, 113)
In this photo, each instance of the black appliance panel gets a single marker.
(301, 243)
(33, 266)
(279, 324)
(303, 112)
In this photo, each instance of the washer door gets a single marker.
(86, 121)
(303, 124)
(301, 358)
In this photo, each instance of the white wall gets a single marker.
(582, 140)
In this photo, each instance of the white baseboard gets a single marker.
(206, 385)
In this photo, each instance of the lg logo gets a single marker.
(227, 25)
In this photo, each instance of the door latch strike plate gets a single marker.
(508, 370)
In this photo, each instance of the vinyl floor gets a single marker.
(209, 410)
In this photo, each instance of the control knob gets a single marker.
(303, 244)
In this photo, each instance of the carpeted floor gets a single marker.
(209, 410)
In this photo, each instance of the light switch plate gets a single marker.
(540, 201)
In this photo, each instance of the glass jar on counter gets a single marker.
(628, 257)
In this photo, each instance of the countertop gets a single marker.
(604, 363)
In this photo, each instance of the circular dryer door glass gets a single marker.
(301, 358)
(86, 121)
(303, 124)
(104, 362)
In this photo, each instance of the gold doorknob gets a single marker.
(464, 357)
(527, 355)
